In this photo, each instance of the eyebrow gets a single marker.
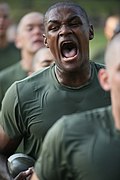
(53, 21)
(69, 19)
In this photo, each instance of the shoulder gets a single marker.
(12, 45)
(78, 121)
(36, 78)
(75, 122)
(56, 131)
(97, 66)
(52, 158)
(29, 86)
(5, 73)
(10, 97)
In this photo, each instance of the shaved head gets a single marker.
(112, 55)
(5, 7)
(67, 4)
(110, 26)
(26, 18)
(43, 58)
(29, 37)
(4, 20)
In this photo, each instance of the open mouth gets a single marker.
(68, 49)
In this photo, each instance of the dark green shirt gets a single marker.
(8, 56)
(10, 75)
(31, 106)
(83, 146)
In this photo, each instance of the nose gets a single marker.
(38, 30)
(65, 30)
(1, 20)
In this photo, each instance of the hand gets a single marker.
(25, 175)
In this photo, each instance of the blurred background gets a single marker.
(98, 11)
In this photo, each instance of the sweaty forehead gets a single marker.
(58, 13)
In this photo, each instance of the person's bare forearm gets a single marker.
(34, 177)
(4, 173)
(7, 145)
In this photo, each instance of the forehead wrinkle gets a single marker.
(71, 7)
(59, 18)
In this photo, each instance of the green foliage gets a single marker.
(98, 42)
(100, 8)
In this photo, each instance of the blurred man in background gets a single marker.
(9, 54)
(29, 40)
(110, 27)
(43, 58)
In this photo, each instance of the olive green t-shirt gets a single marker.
(9, 55)
(31, 106)
(10, 75)
(84, 146)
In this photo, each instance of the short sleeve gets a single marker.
(9, 115)
(51, 163)
(0, 94)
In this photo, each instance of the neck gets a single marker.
(26, 61)
(74, 79)
(3, 41)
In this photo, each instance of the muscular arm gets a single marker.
(7, 145)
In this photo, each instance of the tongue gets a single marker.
(69, 53)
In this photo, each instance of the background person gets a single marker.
(110, 26)
(111, 23)
(12, 32)
(9, 54)
(43, 58)
(29, 39)
(87, 145)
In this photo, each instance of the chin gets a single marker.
(34, 50)
(37, 47)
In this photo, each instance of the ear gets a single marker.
(103, 77)
(45, 41)
(91, 32)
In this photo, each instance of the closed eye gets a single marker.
(54, 28)
(29, 28)
(75, 22)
